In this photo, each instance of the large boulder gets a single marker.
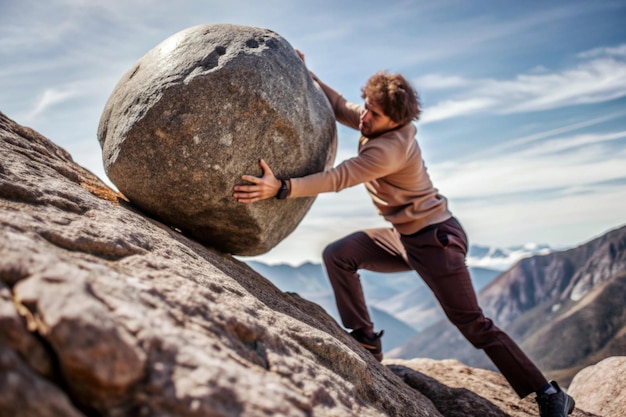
(200, 110)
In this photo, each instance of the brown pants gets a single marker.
(437, 254)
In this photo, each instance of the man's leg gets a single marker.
(438, 255)
(378, 250)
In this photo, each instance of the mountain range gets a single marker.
(565, 309)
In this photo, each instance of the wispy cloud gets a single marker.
(583, 160)
(565, 144)
(50, 98)
(442, 82)
(523, 142)
(604, 51)
(599, 79)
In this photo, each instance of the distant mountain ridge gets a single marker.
(555, 278)
(565, 308)
(491, 257)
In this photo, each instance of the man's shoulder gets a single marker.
(402, 135)
(408, 131)
(396, 143)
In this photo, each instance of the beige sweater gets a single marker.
(390, 166)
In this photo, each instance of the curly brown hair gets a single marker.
(395, 95)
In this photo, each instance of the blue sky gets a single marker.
(524, 122)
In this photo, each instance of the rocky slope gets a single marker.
(105, 312)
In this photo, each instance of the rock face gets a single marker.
(599, 389)
(458, 390)
(106, 312)
(200, 110)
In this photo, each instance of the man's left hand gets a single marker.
(262, 188)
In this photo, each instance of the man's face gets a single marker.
(373, 121)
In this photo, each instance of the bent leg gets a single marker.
(438, 255)
(378, 250)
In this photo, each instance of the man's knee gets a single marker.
(329, 254)
(339, 251)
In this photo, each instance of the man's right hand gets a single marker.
(301, 55)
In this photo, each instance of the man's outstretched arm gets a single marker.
(346, 113)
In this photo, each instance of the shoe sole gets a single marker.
(571, 406)
(368, 347)
(378, 356)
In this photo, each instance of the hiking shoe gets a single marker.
(555, 405)
(371, 343)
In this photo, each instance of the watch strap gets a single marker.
(283, 191)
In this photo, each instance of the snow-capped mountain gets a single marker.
(501, 259)
(565, 309)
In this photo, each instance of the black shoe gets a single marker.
(371, 343)
(555, 405)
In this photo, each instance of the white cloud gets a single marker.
(593, 81)
(455, 108)
(438, 81)
(524, 141)
(577, 218)
(589, 160)
(559, 145)
(619, 50)
(50, 98)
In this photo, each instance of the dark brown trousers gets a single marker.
(437, 253)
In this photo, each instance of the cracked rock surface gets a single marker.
(200, 110)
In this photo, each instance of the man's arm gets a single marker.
(331, 94)
(346, 113)
(377, 159)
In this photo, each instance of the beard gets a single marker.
(366, 130)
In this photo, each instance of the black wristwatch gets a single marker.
(283, 192)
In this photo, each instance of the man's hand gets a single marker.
(300, 54)
(265, 187)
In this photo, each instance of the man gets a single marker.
(425, 236)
